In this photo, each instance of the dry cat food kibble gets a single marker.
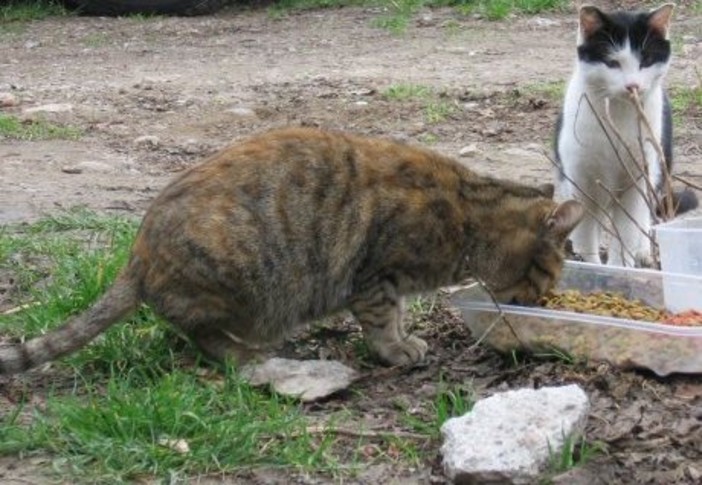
(615, 305)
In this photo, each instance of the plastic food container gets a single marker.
(664, 349)
(680, 247)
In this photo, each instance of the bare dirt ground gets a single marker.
(190, 85)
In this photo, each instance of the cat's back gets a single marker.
(308, 162)
(295, 187)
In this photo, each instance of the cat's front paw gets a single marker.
(409, 350)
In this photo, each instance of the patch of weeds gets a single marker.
(143, 17)
(422, 305)
(576, 451)
(439, 111)
(280, 8)
(96, 39)
(452, 28)
(12, 128)
(450, 401)
(500, 9)
(552, 90)
(556, 354)
(134, 426)
(429, 139)
(686, 99)
(404, 92)
(63, 263)
(399, 13)
(28, 10)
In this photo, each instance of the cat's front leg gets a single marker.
(630, 245)
(586, 238)
(381, 313)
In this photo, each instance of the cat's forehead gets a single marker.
(622, 33)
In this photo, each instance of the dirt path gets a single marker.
(153, 96)
(197, 83)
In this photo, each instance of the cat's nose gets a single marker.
(633, 87)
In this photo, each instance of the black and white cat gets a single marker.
(617, 53)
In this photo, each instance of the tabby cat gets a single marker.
(299, 223)
(617, 53)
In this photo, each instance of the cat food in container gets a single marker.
(680, 247)
(664, 349)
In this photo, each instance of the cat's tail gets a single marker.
(684, 200)
(118, 301)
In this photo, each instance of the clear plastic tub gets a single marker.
(680, 246)
(664, 349)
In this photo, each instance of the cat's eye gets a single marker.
(611, 63)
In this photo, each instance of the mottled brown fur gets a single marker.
(296, 224)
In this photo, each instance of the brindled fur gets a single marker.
(298, 223)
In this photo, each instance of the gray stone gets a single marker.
(242, 111)
(50, 108)
(150, 141)
(308, 380)
(509, 437)
(468, 150)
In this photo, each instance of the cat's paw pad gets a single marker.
(406, 351)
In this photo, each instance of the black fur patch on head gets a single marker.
(613, 32)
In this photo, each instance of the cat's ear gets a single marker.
(547, 190)
(564, 218)
(659, 19)
(591, 20)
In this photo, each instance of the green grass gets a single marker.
(403, 92)
(500, 9)
(138, 388)
(438, 111)
(450, 401)
(576, 451)
(27, 10)
(552, 90)
(398, 14)
(686, 102)
(12, 128)
(282, 7)
(435, 108)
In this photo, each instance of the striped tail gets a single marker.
(120, 300)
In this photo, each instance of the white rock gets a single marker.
(50, 108)
(147, 141)
(468, 150)
(543, 22)
(242, 111)
(509, 437)
(307, 380)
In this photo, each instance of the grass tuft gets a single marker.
(403, 92)
(28, 10)
(685, 100)
(12, 128)
(576, 451)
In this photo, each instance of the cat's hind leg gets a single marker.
(222, 346)
(381, 313)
